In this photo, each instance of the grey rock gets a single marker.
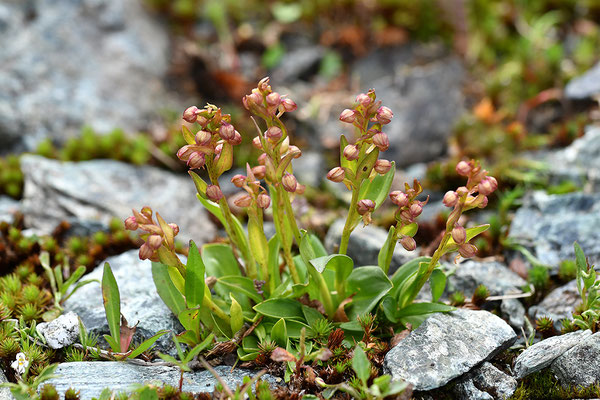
(298, 63)
(558, 304)
(514, 312)
(5, 393)
(88, 194)
(486, 382)
(71, 63)
(61, 332)
(580, 366)
(364, 245)
(139, 301)
(585, 86)
(442, 348)
(310, 168)
(466, 390)
(549, 224)
(543, 353)
(8, 208)
(92, 377)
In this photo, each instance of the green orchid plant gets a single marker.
(255, 282)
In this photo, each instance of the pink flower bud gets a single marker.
(262, 159)
(274, 133)
(238, 180)
(243, 201)
(483, 203)
(295, 150)
(487, 185)
(382, 167)
(347, 116)
(236, 139)
(381, 140)
(464, 168)
(461, 191)
(363, 99)
(300, 189)
(131, 224)
(288, 105)
(196, 160)
(227, 131)
(273, 99)
(351, 152)
(214, 193)
(256, 143)
(263, 85)
(203, 137)
(415, 209)
(191, 114)
(408, 243)
(289, 182)
(459, 234)
(146, 252)
(175, 228)
(399, 198)
(154, 242)
(184, 153)
(450, 199)
(406, 217)
(336, 174)
(467, 250)
(384, 115)
(218, 148)
(259, 171)
(365, 206)
(263, 200)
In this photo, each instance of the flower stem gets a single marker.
(350, 224)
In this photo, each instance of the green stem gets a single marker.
(391, 246)
(348, 226)
(207, 302)
(286, 242)
(289, 213)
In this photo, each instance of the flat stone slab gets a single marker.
(90, 378)
(580, 366)
(447, 346)
(542, 354)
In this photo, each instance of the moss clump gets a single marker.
(544, 386)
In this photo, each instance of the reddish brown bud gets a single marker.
(408, 243)
(262, 159)
(146, 252)
(184, 153)
(243, 201)
(259, 171)
(365, 206)
(238, 180)
(336, 174)
(196, 160)
(450, 199)
(463, 168)
(227, 131)
(363, 99)
(131, 224)
(273, 99)
(467, 250)
(218, 148)
(203, 137)
(256, 143)
(289, 182)
(236, 139)
(175, 228)
(295, 150)
(415, 209)
(399, 198)
(381, 140)
(288, 105)
(191, 114)
(382, 167)
(214, 193)
(263, 200)
(274, 133)
(347, 116)
(300, 189)
(483, 203)
(459, 234)
(154, 241)
(487, 185)
(384, 115)
(351, 152)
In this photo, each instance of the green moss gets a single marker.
(544, 386)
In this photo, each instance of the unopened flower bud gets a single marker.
(461, 191)
(154, 241)
(243, 201)
(450, 198)
(131, 224)
(408, 243)
(227, 131)
(274, 133)
(483, 203)
(288, 105)
(399, 198)
(262, 159)
(459, 234)
(191, 114)
(218, 148)
(146, 211)
(384, 115)
(236, 139)
(273, 99)
(196, 160)
(263, 200)
(263, 85)
(381, 140)
(238, 180)
(175, 228)
(203, 137)
(365, 206)
(295, 150)
(289, 182)
(415, 209)
(467, 250)
(214, 193)
(347, 116)
(300, 189)
(256, 143)
(363, 99)
(336, 174)
(463, 168)
(184, 153)
(259, 171)
(382, 167)
(487, 185)
(351, 152)
(284, 146)
(146, 252)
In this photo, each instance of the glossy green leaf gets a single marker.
(194, 277)
(363, 170)
(274, 275)
(219, 260)
(250, 343)
(190, 319)
(72, 279)
(200, 183)
(471, 233)
(167, 291)
(146, 344)
(236, 314)
(410, 229)
(245, 356)
(112, 304)
(378, 188)
(423, 308)
(199, 347)
(279, 333)
(437, 281)
(344, 162)
(294, 328)
(189, 137)
(361, 364)
(369, 285)
(280, 308)
(311, 315)
(339, 266)
(389, 306)
(404, 272)
(242, 284)
(311, 247)
(225, 159)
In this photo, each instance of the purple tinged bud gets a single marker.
(382, 167)
(146, 252)
(459, 234)
(381, 140)
(263, 200)
(191, 114)
(399, 198)
(365, 206)
(415, 209)
(288, 105)
(295, 150)
(337, 174)
(274, 133)
(450, 199)
(259, 171)
(384, 115)
(196, 160)
(461, 191)
(131, 224)
(300, 189)
(184, 153)
(363, 99)
(243, 201)
(408, 243)
(463, 168)
(348, 116)
(238, 180)
(214, 193)
(262, 159)
(487, 185)
(175, 228)
(467, 250)
(484, 202)
(154, 242)
(237, 139)
(227, 131)
(203, 137)
(256, 143)
(351, 152)
(289, 182)
(218, 148)
(273, 99)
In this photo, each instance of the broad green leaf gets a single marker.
(363, 170)
(189, 137)
(423, 308)
(112, 304)
(311, 247)
(311, 315)
(250, 343)
(280, 308)
(279, 333)
(199, 347)
(580, 257)
(146, 344)
(200, 184)
(188, 337)
(286, 12)
(114, 344)
(294, 328)
(340, 265)
(167, 291)
(410, 229)
(236, 314)
(242, 284)
(389, 306)
(361, 364)
(245, 356)
(369, 285)
(274, 275)
(219, 260)
(190, 319)
(194, 277)
(437, 281)
(471, 233)
(378, 188)
(344, 162)
(148, 393)
(404, 272)
(384, 258)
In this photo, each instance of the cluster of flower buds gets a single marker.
(255, 193)
(156, 234)
(207, 144)
(409, 208)
(263, 101)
